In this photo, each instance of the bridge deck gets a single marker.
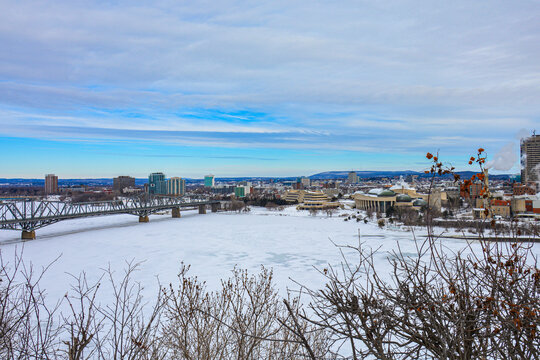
(31, 214)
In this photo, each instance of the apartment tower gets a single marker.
(530, 160)
(176, 186)
(51, 184)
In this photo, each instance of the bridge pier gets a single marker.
(176, 213)
(144, 219)
(202, 209)
(28, 235)
(216, 207)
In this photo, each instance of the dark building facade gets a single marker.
(122, 182)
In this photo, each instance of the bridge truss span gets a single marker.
(31, 214)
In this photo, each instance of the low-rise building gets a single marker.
(240, 191)
(310, 199)
(292, 196)
(518, 189)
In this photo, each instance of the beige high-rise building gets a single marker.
(51, 184)
(530, 159)
(176, 186)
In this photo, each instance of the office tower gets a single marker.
(157, 184)
(176, 186)
(122, 182)
(530, 159)
(51, 184)
(209, 181)
(352, 177)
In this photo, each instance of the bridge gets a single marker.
(30, 214)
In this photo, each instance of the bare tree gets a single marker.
(83, 323)
(27, 323)
(132, 333)
(243, 320)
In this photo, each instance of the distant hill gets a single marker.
(361, 174)
(328, 175)
(340, 175)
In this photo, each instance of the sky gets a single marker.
(274, 88)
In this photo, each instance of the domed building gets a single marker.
(399, 195)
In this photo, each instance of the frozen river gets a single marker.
(292, 243)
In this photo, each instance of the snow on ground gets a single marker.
(290, 242)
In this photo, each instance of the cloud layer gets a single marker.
(365, 77)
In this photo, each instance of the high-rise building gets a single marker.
(209, 181)
(51, 184)
(530, 159)
(176, 186)
(122, 182)
(157, 184)
(352, 177)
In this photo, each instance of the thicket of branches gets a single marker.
(245, 319)
(482, 302)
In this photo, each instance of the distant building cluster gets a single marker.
(508, 198)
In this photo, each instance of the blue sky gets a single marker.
(281, 88)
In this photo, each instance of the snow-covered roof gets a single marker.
(528, 197)
(402, 184)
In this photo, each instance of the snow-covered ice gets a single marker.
(290, 242)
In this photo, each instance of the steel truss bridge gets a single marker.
(31, 214)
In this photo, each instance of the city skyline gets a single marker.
(91, 90)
